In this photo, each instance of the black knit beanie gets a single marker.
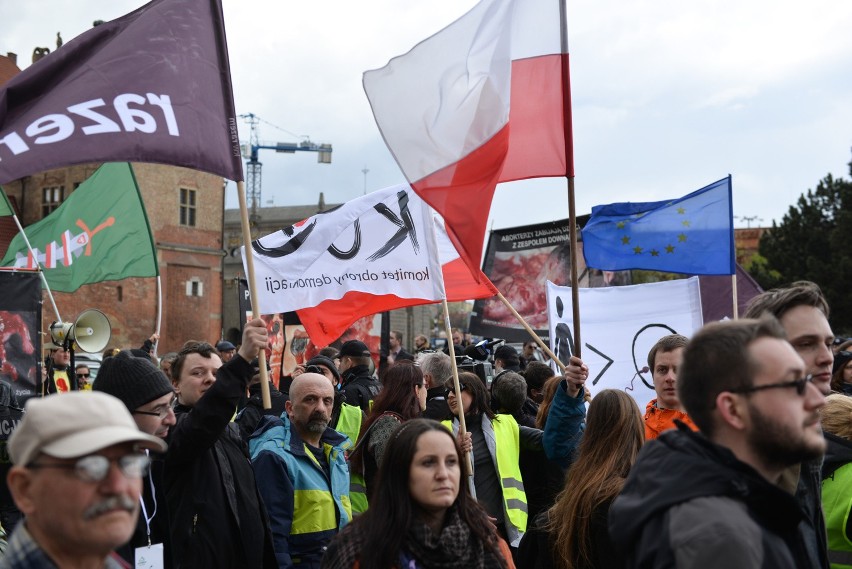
(325, 362)
(136, 381)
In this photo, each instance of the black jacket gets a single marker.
(249, 416)
(216, 514)
(359, 387)
(838, 453)
(691, 503)
(156, 507)
(437, 407)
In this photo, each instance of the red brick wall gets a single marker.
(183, 253)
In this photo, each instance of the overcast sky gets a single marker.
(668, 96)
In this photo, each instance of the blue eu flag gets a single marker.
(693, 234)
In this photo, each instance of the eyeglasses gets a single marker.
(161, 411)
(799, 384)
(83, 375)
(95, 467)
(452, 389)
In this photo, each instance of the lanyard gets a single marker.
(144, 510)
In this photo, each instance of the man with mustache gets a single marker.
(79, 460)
(712, 499)
(301, 471)
(148, 395)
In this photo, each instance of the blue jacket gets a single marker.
(566, 422)
(306, 507)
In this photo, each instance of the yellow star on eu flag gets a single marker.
(681, 238)
(621, 224)
(685, 223)
(681, 211)
(625, 240)
(655, 253)
(670, 248)
(637, 250)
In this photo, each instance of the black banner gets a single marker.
(20, 322)
(519, 261)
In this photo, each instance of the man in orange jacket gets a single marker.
(664, 361)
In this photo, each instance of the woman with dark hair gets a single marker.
(841, 378)
(403, 397)
(420, 515)
(496, 482)
(574, 532)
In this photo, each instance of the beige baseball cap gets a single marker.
(75, 424)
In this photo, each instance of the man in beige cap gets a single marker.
(77, 477)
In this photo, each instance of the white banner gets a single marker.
(382, 243)
(619, 326)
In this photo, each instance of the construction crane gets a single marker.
(254, 166)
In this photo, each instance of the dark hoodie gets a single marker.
(691, 503)
(837, 453)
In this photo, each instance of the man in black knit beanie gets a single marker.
(149, 396)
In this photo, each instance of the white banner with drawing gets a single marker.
(618, 327)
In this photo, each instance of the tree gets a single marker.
(814, 242)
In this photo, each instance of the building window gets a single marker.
(187, 207)
(51, 198)
(194, 287)
(119, 293)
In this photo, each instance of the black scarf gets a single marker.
(456, 547)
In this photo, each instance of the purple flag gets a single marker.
(151, 86)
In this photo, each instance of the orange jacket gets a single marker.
(658, 420)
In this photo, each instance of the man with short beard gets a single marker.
(712, 499)
(803, 312)
(299, 459)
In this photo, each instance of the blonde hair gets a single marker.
(837, 415)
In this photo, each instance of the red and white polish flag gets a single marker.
(483, 101)
(375, 253)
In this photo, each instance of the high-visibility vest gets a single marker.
(349, 424)
(836, 505)
(507, 442)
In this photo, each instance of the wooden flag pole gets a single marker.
(575, 281)
(569, 164)
(734, 293)
(531, 332)
(255, 302)
(456, 385)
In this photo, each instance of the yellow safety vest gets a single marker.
(349, 424)
(836, 504)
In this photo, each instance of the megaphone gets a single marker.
(91, 331)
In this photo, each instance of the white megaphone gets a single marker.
(90, 331)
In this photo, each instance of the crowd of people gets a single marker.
(742, 459)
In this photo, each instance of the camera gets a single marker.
(483, 369)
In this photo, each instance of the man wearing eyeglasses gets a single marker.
(82, 373)
(803, 311)
(148, 395)
(78, 462)
(713, 499)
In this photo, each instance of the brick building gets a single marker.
(185, 212)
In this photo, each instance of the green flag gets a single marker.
(5, 206)
(100, 233)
